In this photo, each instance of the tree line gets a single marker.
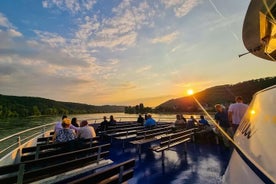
(13, 106)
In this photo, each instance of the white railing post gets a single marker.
(19, 141)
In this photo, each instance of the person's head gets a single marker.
(148, 115)
(239, 99)
(63, 117)
(104, 117)
(66, 123)
(201, 117)
(83, 123)
(178, 116)
(111, 117)
(218, 107)
(74, 122)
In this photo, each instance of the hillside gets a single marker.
(224, 94)
(14, 106)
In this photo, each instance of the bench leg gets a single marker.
(185, 149)
(123, 144)
(163, 158)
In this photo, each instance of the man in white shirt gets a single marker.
(85, 131)
(236, 112)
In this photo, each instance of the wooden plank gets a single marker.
(41, 151)
(45, 167)
(115, 174)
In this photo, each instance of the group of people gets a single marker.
(147, 122)
(182, 123)
(229, 120)
(105, 123)
(68, 130)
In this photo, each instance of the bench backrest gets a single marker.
(146, 134)
(115, 174)
(166, 141)
(40, 151)
(35, 170)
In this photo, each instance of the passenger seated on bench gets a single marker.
(204, 124)
(140, 120)
(58, 125)
(86, 131)
(103, 126)
(65, 134)
(112, 121)
(191, 123)
(179, 122)
(150, 122)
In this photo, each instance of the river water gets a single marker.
(14, 125)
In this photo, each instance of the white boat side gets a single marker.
(255, 162)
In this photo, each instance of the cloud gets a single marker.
(73, 6)
(143, 69)
(180, 7)
(4, 22)
(114, 61)
(166, 38)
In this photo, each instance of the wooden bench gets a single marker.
(45, 140)
(124, 133)
(118, 173)
(173, 139)
(41, 151)
(149, 136)
(34, 170)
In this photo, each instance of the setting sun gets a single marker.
(190, 92)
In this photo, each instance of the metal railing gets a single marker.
(13, 141)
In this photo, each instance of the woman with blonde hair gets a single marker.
(65, 134)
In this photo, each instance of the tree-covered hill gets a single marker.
(224, 94)
(14, 106)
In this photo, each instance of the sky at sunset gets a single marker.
(123, 52)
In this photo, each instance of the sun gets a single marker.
(190, 92)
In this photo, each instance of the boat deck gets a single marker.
(203, 163)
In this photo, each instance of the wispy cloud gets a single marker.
(4, 21)
(73, 6)
(180, 7)
(143, 69)
(165, 38)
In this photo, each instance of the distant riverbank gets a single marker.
(13, 125)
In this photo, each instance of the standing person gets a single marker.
(150, 122)
(86, 131)
(236, 112)
(140, 120)
(221, 118)
(65, 134)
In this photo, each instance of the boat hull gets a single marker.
(253, 160)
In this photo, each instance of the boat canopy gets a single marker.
(259, 29)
